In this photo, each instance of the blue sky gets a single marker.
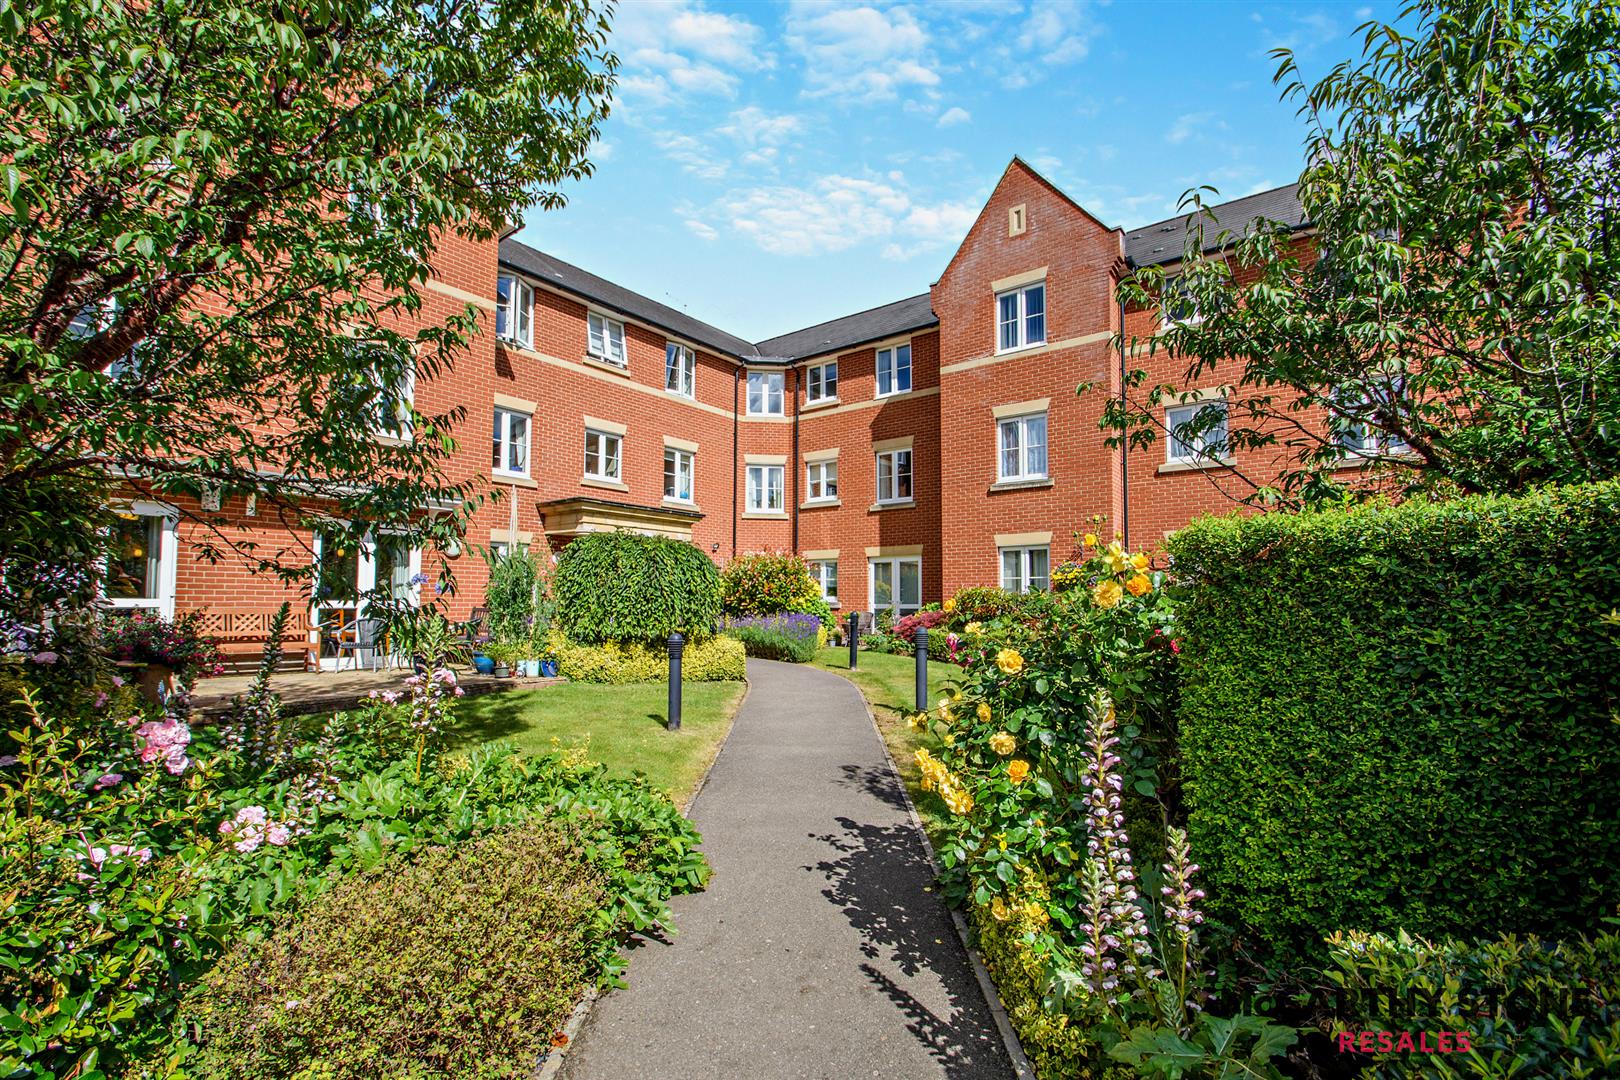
(768, 166)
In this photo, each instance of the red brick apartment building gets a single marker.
(906, 451)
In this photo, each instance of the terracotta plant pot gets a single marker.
(157, 682)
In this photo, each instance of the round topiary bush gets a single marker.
(623, 587)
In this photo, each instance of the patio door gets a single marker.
(896, 585)
(347, 572)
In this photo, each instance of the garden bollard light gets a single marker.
(854, 637)
(676, 644)
(922, 668)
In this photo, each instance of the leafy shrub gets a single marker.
(1531, 1008)
(622, 587)
(767, 584)
(460, 961)
(148, 638)
(774, 644)
(514, 583)
(984, 603)
(709, 659)
(1400, 718)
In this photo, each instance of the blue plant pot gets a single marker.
(483, 664)
(548, 669)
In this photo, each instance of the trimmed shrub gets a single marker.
(624, 587)
(765, 584)
(768, 644)
(710, 659)
(460, 962)
(1400, 718)
(1529, 1008)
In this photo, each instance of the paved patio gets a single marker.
(329, 691)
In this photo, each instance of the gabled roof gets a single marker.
(1166, 241)
(874, 324)
(571, 279)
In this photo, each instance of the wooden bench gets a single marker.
(243, 631)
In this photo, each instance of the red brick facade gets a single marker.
(963, 385)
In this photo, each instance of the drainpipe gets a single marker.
(793, 462)
(1124, 448)
(736, 453)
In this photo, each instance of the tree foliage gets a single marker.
(218, 222)
(1457, 307)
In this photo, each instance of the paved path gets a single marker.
(815, 952)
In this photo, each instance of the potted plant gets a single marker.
(503, 655)
(171, 655)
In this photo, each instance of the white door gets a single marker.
(896, 584)
(346, 573)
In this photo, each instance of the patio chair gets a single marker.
(361, 634)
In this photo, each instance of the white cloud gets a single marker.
(599, 151)
(955, 115)
(753, 126)
(691, 154)
(836, 213)
(701, 230)
(1188, 125)
(1057, 31)
(672, 49)
(860, 53)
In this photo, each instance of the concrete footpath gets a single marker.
(815, 952)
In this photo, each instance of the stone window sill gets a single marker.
(605, 365)
(819, 403)
(680, 504)
(513, 478)
(764, 515)
(610, 485)
(819, 504)
(1021, 485)
(909, 504)
(1195, 466)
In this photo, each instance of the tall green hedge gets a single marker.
(625, 587)
(1402, 718)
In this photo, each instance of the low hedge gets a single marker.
(622, 587)
(1401, 718)
(460, 962)
(768, 644)
(710, 659)
(1526, 1007)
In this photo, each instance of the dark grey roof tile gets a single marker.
(1166, 241)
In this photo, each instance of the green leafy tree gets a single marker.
(1456, 309)
(217, 222)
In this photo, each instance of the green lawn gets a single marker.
(622, 726)
(889, 683)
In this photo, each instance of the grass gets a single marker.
(621, 726)
(889, 684)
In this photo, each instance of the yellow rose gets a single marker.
(984, 713)
(973, 628)
(945, 709)
(949, 605)
(1116, 559)
(1003, 743)
(999, 910)
(959, 801)
(1139, 584)
(1089, 540)
(1139, 561)
(1009, 661)
(949, 738)
(1107, 593)
(914, 721)
(1017, 770)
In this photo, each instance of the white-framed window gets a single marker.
(896, 584)
(389, 407)
(514, 310)
(1176, 304)
(678, 471)
(894, 370)
(603, 453)
(1021, 317)
(1197, 432)
(821, 382)
(765, 489)
(821, 481)
(894, 476)
(606, 339)
(1025, 569)
(1360, 438)
(140, 570)
(511, 442)
(1023, 447)
(680, 370)
(824, 572)
(765, 393)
